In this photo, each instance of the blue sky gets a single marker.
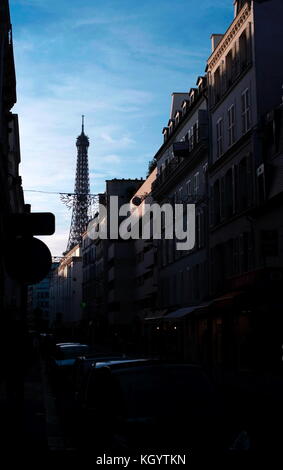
(117, 62)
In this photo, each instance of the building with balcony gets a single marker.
(182, 179)
(244, 74)
(184, 182)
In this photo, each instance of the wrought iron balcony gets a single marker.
(184, 153)
(181, 149)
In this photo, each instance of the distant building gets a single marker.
(39, 302)
(89, 283)
(66, 291)
(111, 315)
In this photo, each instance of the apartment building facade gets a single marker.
(182, 179)
(244, 80)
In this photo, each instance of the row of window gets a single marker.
(185, 287)
(236, 60)
(89, 257)
(168, 252)
(233, 257)
(192, 136)
(192, 186)
(89, 273)
(42, 295)
(43, 304)
(231, 123)
(232, 193)
(186, 105)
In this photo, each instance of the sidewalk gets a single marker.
(34, 422)
(23, 417)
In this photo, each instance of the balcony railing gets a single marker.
(183, 151)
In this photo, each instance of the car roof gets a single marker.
(115, 366)
(72, 345)
(116, 363)
(101, 356)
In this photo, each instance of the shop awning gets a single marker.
(183, 312)
(226, 299)
(180, 313)
(157, 315)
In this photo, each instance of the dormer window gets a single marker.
(184, 108)
(192, 95)
(177, 118)
(171, 126)
(201, 83)
(165, 133)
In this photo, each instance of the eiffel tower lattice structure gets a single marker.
(81, 199)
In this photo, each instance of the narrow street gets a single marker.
(141, 209)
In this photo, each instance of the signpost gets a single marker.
(27, 259)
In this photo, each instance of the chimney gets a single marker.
(215, 40)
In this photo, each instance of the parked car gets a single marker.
(81, 368)
(61, 363)
(148, 406)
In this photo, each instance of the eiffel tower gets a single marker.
(81, 197)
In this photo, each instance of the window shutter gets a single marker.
(237, 58)
(211, 207)
(250, 250)
(250, 180)
(211, 268)
(234, 61)
(249, 43)
(235, 255)
(201, 229)
(222, 198)
(233, 189)
(241, 253)
(222, 78)
(236, 188)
